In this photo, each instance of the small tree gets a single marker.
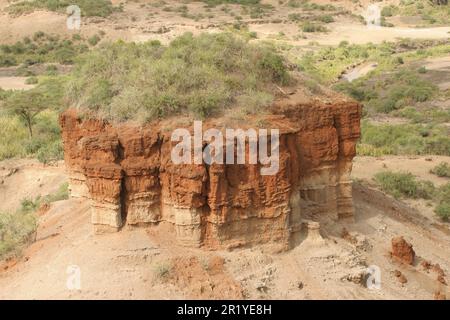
(27, 105)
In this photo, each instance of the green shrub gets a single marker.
(32, 205)
(295, 16)
(389, 11)
(441, 170)
(405, 88)
(313, 27)
(443, 207)
(406, 138)
(162, 270)
(294, 3)
(29, 104)
(253, 35)
(32, 80)
(391, 92)
(7, 61)
(327, 64)
(443, 210)
(61, 194)
(241, 2)
(65, 55)
(94, 40)
(200, 75)
(429, 115)
(13, 134)
(42, 48)
(422, 70)
(310, 6)
(404, 185)
(326, 18)
(438, 143)
(51, 70)
(16, 230)
(357, 90)
(430, 12)
(273, 65)
(50, 152)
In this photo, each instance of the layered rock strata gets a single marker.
(127, 173)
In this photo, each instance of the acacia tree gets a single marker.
(27, 105)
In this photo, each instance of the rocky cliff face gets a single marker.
(127, 173)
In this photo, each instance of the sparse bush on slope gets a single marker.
(441, 170)
(327, 64)
(443, 210)
(17, 228)
(241, 2)
(199, 75)
(15, 231)
(443, 207)
(313, 27)
(89, 8)
(13, 134)
(403, 139)
(400, 184)
(431, 114)
(405, 185)
(388, 93)
(430, 11)
(41, 48)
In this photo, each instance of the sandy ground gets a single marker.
(441, 65)
(364, 168)
(360, 34)
(420, 166)
(27, 179)
(15, 83)
(130, 264)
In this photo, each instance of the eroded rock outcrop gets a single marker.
(127, 172)
(402, 250)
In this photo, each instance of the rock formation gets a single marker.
(127, 173)
(402, 251)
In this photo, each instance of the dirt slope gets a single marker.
(148, 264)
(27, 179)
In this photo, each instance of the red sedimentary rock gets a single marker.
(127, 172)
(402, 250)
(426, 265)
